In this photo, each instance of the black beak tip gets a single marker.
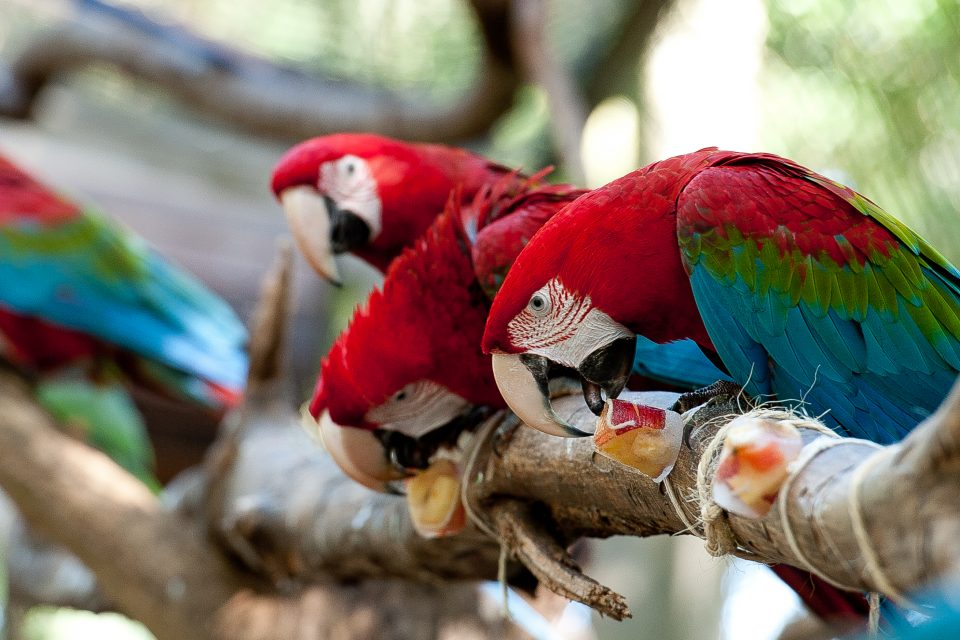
(348, 231)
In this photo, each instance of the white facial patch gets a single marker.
(562, 326)
(349, 182)
(417, 408)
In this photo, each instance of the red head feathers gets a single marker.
(371, 195)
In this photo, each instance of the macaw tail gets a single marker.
(844, 610)
(179, 385)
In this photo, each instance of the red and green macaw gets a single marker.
(374, 196)
(407, 377)
(371, 195)
(86, 309)
(799, 286)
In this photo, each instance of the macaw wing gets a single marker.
(89, 274)
(811, 292)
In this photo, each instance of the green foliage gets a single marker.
(50, 623)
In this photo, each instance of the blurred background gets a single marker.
(866, 92)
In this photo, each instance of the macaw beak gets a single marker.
(359, 455)
(523, 383)
(322, 229)
(607, 369)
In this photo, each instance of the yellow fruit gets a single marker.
(433, 498)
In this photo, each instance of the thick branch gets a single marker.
(157, 569)
(908, 498)
(255, 94)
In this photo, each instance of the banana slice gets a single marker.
(433, 497)
(754, 464)
(643, 438)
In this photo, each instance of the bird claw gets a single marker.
(715, 393)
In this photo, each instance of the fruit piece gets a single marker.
(644, 438)
(433, 498)
(754, 464)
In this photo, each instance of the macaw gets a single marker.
(86, 309)
(407, 378)
(800, 287)
(371, 195)
(803, 289)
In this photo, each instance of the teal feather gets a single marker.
(90, 275)
(867, 330)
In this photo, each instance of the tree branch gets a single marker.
(252, 93)
(568, 109)
(155, 562)
(908, 498)
(157, 570)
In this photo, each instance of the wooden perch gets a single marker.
(287, 528)
(907, 500)
(252, 93)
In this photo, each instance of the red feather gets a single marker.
(24, 198)
(413, 181)
(426, 321)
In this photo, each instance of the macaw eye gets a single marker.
(350, 167)
(539, 304)
(400, 395)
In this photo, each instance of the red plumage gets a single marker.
(413, 182)
(426, 321)
(24, 198)
(576, 246)
(619, 246)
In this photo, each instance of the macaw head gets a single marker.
(369, 195)
(604, 269)
(407, 376)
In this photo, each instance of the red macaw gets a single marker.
(406, 379)
(371, 195)
(87, 309)
(799, 286)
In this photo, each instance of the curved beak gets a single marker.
(523, 383)
(607, 369)
(322, 229)
(359, 455)
(309, 220)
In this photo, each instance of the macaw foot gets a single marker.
(719, 391)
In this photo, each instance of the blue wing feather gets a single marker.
(876, 345)
(91, 275)
(681, 364)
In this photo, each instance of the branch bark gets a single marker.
(908, 499)
(272, 499)
(254, 94)
(157, 570)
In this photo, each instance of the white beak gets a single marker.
(358, 453)
(309, 221)
(527, 396)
